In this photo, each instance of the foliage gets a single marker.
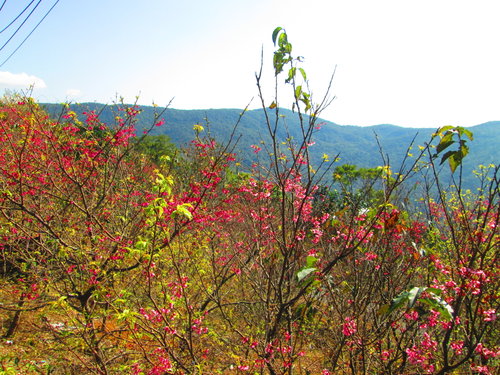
(359, 188)
(157, 147)
(446, 134)
(354, 144)
(116, 259)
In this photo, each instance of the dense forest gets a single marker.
(124, 251)
(365, 147)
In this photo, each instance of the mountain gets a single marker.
(354, 144)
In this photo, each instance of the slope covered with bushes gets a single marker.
(115, 260)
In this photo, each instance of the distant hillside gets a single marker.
(355, 144)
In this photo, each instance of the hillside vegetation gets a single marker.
(122, 253)
(354, 144)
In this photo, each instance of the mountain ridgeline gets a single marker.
(353, 144)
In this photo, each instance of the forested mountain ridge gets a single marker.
(353, 144)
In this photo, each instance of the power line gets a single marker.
(31, 32)
(21, 25)
(1, 7)
(19, 15)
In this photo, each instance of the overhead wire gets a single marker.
(21, 25)
(31, 32)
(19, 15)
(1, 7)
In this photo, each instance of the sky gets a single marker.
(424, 63)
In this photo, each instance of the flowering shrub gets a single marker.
(116, 259)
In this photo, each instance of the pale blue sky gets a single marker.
(410, 63)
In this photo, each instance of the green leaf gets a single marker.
(283, 40)
(409, 297)
(447, 134)
(126, 314)
(435, 291)
(454, 161)
(306, 100)
(440, 305)
(464, 149)
(291, 74)
(278, 63)
(6, 192)
(303, 72)
(141, 245)
(182, 210)
(398, 301)
(311, 261)
(445, 142)
(467, 133)
(59, 302)
(305, 272)
(446, 156)
(298, 91)
(288, 48)
(414, 293)
(443, 129)
(455, 158)
(275, 34)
